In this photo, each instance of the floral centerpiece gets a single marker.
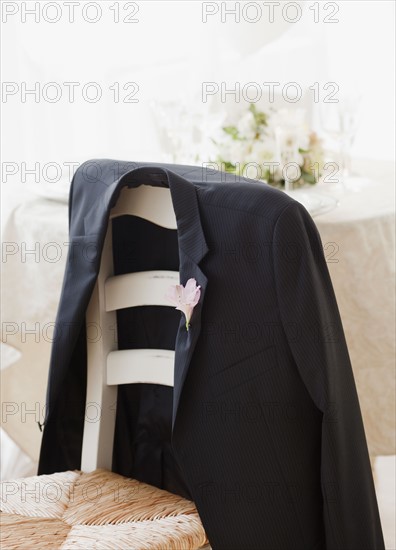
(275, 147)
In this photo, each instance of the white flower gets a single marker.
(261, 151)
(289, 142)
(246, 126)
(238, 151)
(234, 151)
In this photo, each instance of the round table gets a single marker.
(358, 240)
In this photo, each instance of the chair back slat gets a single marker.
(150, 203)
(145, 288)
(140, 366)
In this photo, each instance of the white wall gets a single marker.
(361, 55)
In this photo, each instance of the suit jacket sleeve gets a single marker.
(311, 321)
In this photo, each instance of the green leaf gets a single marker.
(228, 166)
(308, 177)
(231, 131)
(260, 118)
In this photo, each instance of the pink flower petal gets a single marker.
(185, 298)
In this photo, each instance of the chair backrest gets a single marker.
(107, 366)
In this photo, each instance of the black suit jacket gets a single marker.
(263, 429)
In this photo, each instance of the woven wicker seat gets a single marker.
(100, 509)
(95, 508)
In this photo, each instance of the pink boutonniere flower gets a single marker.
(185, 298)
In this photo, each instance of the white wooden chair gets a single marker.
(149, 517)
(107, 366)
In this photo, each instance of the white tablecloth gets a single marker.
(358, 236)
(34, 251)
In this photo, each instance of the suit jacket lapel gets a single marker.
(186, 340)
(192, 249)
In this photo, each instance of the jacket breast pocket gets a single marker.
(243, 373)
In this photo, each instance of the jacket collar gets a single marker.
(184, 200)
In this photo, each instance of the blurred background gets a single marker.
(169, 52)
(173, 81)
